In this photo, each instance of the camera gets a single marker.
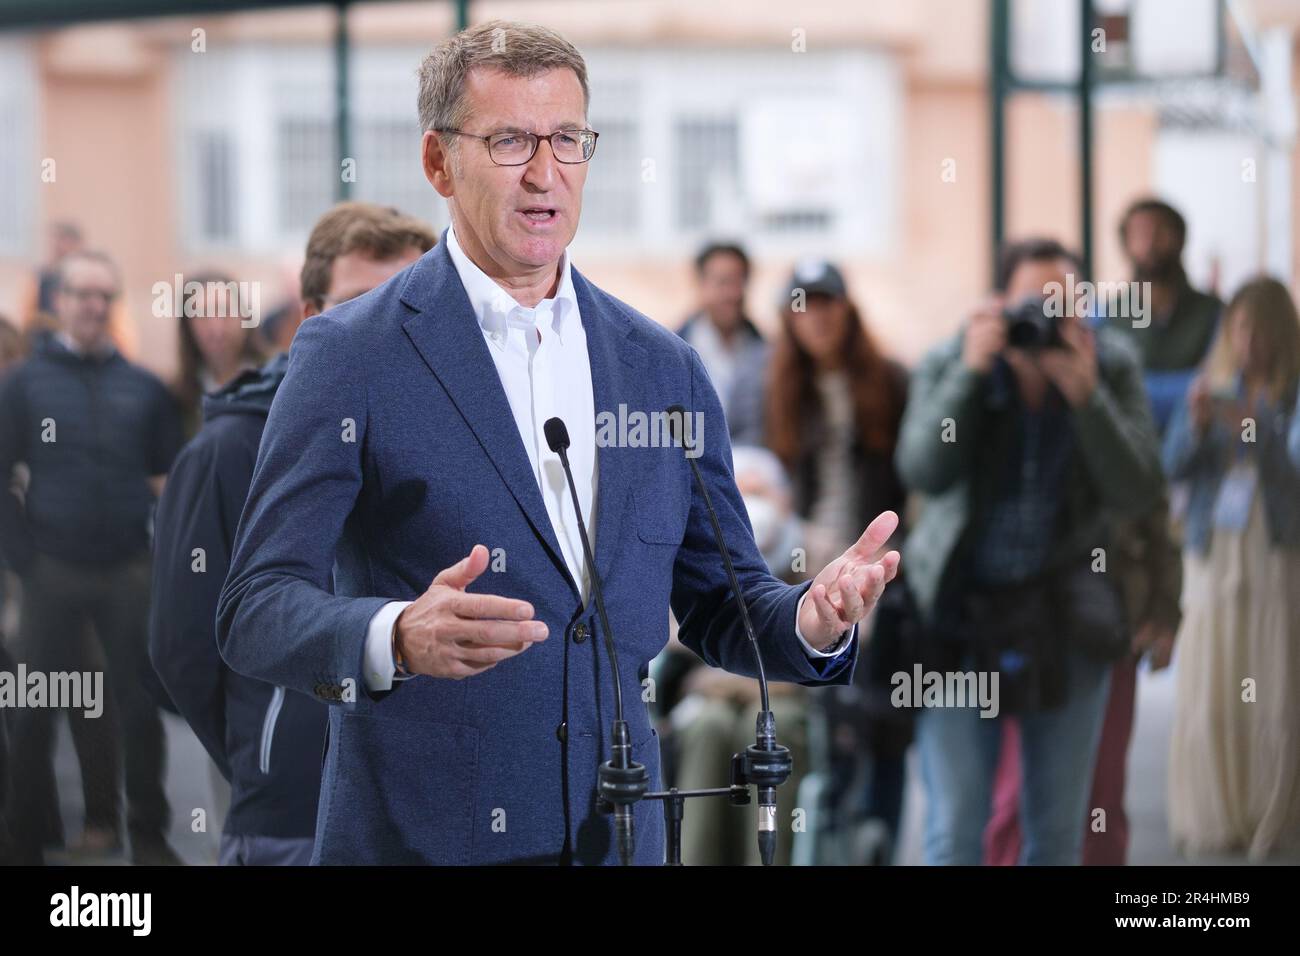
(1029, 327)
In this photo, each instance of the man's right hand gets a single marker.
(985, 336)
(447, 632)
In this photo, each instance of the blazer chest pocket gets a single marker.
(660, 515)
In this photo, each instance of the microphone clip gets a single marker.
(621, 782)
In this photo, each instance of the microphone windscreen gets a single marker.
(557, 436)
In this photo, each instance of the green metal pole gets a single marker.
(1087, 19)
(462, 15)
(342, 105)
(999, 20)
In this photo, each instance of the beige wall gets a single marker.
(109, 139)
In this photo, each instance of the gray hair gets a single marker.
(517, 49)
(87, 255)
(763, 463)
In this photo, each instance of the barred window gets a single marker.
(20, 167)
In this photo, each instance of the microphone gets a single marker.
(767, 763)
(621, 782)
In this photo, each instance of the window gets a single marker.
(20, 167)
(791, 153)
(708, 170)
(259, 165)
(305, 170)
(388, 165)
(609, 199)
(214, 157)
(386, 132)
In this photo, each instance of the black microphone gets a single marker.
(621, 782)
(767, 763)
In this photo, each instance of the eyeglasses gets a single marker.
(84, 295)
(570, 146)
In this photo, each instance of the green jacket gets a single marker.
(1115, 471)
(1179, 342)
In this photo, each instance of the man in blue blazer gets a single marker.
(405, 446)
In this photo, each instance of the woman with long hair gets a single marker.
(214, 345)
(1234, 765)
(834, 405)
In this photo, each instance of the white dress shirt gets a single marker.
(541, 358)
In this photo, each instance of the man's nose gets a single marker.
(541, 169)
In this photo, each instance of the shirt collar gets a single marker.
(105, 351)
(497, 310)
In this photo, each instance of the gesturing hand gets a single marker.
(1073, 369)
(985, 336)
(848, 588)
(447, 632)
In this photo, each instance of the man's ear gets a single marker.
(437, 164)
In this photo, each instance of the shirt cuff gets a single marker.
(381, 669)
(835, 650)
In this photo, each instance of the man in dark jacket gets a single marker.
(731, 347)
(266, 740)
(97, 434)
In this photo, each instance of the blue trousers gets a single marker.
(959, 754)
(264, 851)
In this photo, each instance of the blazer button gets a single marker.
(562, 731)
(579, 633)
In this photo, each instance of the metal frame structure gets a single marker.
(41, 14)
(1003, 84)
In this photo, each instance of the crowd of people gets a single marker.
(1081, 491)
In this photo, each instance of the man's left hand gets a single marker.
(848, 588)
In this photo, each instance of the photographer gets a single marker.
(1026, 434)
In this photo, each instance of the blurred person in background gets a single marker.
(714, 717)
(39, 315)
(11, 351)
(1026, 434)
(1234, 758)
(834, 402)
(97, 434)
(94, 740)
(1182, 319)
(266, 741)
(214, 345)
(1145, 560)
(834, 405)
(730, 345)
(12, 347)
(65, 239)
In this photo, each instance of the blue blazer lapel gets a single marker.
(450, 340)
(616, 361)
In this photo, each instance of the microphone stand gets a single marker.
(764, 763)
(674, 802)
(621, 781)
